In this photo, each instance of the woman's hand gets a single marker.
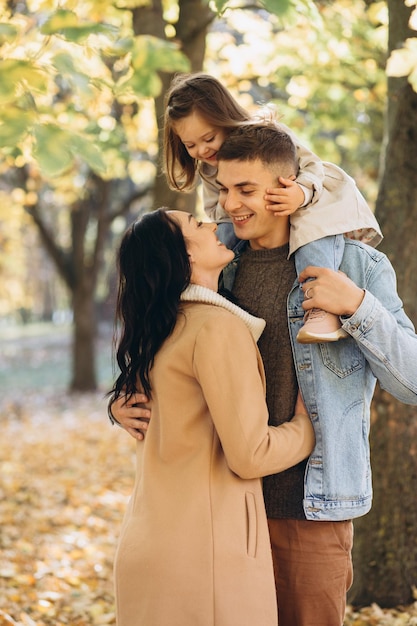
(132, 414)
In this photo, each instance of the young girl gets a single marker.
(323, 202)
(194, 547)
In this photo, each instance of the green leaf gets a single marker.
(151, 53)
(56, 149)
(277, 7)
(14, 124)
(67, 24)
(14, 72)
(132, 4)
(85, 148)
(149, 56)
(53, 149)
(146, 84)
(64, 64)
(219, 5)
(120, 47)
(7, 82)
(59, 20)
(8, 33)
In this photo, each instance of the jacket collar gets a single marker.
(198, 293)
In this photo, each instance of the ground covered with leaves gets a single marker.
(65, 478)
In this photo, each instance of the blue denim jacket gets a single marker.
(337, 382)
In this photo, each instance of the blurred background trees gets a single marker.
(81, 106)
(81, 115)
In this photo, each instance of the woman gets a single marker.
(194, 547)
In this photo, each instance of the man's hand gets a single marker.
(330, 290)
(286, 199)
(132, 414)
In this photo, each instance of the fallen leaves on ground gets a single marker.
(65, 479)
(66, 475)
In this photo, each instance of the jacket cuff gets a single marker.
(308, 194)
(363, 317)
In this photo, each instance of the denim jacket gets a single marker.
(337, 381)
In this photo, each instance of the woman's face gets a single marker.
(201, 139)
(206, 252)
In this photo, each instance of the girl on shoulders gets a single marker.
(323, 202)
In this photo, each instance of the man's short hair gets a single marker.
(261, 141)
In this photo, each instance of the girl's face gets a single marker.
(201, 139)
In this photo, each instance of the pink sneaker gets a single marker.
(320, 326)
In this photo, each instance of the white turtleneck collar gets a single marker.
(198, 293)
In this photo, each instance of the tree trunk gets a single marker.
(385, 550)
(91, 211)
(191, 30)
(84, 337)
(194, 19)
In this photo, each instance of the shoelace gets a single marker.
(314, 314)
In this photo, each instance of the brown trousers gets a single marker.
(313, 570)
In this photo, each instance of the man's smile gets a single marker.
(241, 218)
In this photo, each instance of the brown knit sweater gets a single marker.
(263, 281)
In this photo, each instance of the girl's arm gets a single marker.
(307, 186)
(333, 204)
(210, 189)
(310, 167)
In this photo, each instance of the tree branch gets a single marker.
(61, 259)
(127, 202)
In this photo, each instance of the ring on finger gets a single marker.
(307, 293)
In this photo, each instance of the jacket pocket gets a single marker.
(251, 524)
(342, 359)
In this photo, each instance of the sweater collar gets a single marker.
(198, 293)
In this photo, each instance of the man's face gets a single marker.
(243, 185)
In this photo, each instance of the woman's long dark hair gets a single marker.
(154, 269)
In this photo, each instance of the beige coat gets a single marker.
(194, 547)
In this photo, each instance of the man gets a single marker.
(310, 507)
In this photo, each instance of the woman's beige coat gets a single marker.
(194, 547)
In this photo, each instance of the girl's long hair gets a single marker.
(205, 95)
(154, 269)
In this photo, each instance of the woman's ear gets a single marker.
(190, 247)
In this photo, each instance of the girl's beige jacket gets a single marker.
(194, 546)
(334, 205)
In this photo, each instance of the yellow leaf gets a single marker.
(6, 620)
(399, 63)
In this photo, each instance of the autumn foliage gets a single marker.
(66, 474)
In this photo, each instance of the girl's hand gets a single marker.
(286, 199)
